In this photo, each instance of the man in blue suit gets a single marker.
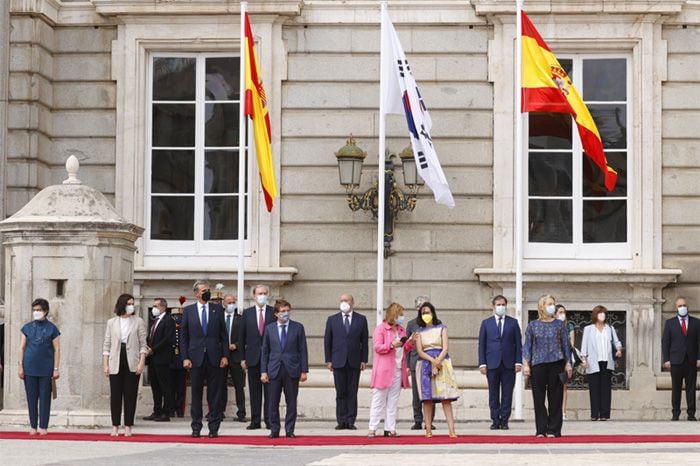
(500, 358)
(284, 361)
(346, 351)
(204, 349)
(255, 319)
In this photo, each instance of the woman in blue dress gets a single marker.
(39, 355)
(434, 371)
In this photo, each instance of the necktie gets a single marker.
(347, 324)
(153, 332)
(500, 326)
(261, 322)
(228, 327)
(684, 329)
(283, 337)
(204, 320)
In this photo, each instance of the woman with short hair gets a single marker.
(39, 357)
(599, 343)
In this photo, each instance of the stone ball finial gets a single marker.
(72, 167)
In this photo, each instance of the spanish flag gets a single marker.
(256, 110)
(547, 88)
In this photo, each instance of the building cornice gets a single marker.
(194, 7)
(491, 7)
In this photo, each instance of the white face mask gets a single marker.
(130, 309)
(562, 317)
(155, 312)
(501, 310)
(400, 319)
(230, 308)
(261, 299)
(38, 315)
(683, 311)
(283, 317)
(344, 307)
(601, 317)
(551, 309)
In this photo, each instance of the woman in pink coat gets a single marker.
(389, 371)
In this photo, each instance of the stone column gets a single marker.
(69, 246)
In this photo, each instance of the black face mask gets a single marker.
(206, 296)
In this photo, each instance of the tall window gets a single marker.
(194, 153)
(570, 212)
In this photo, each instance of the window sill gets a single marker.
(271, 275)
(649, 277)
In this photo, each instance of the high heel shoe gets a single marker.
(453, 434)
(127, 431)
(115, 432)
(372, 434)
(428, 435)
(32, 432)
(43, 432)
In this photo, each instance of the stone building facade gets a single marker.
(92, 78)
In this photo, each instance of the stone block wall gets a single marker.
(331, 91)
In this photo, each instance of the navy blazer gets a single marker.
(294, 355)
(194, 345)
(346, 348)
(494, 348)
(675, 346)
(250, 336)
(236, 356)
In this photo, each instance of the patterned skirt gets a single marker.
(442, 386)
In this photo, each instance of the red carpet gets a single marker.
(351, 440)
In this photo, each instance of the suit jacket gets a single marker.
(236, 356)
(346, 348)
(294, 355)
(495, 348)
(675, 346)
(250, 336)
(135, 342)
(589, 347)
(412, 327)
(194, 345)
(162, 342)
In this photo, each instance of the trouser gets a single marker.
(178, 388)
(161, 388)
(238, 379)
(600, 391)
(501, 382)
(687, 372)
(258, 396)
(346, 381)
(123, 387)
(38, 400)
(384, 404)
(290, 386)
(213, 375)
(545, 383)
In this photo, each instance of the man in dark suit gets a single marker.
(203, 344)
(254, 321)
(680, 346)
(500, 358)
(284, 361)
(160, 355)
(234, 322)
(346, 351)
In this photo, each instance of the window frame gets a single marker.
(618, 253)
(198, 247)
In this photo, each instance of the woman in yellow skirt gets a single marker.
(436, 381)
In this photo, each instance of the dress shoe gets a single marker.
(162, 418)
(274, 435)
(213, 434)
(417, 426)
(196, 434)
(252, 426)
(692, 418)
(180, 414)
(241, 419)
(350, 427)
(674, 418)
(290, 435)
(494, 426)
(340, 427)
(151, 417)
(504, 427)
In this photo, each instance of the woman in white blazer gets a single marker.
(123, 359)
(599, 344)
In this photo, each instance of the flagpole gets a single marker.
(242, 156)
(518, 196)
(380, 173)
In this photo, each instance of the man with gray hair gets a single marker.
(411, 329)
(255, 319)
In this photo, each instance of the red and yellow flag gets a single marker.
(547, 88)
(256, 110)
